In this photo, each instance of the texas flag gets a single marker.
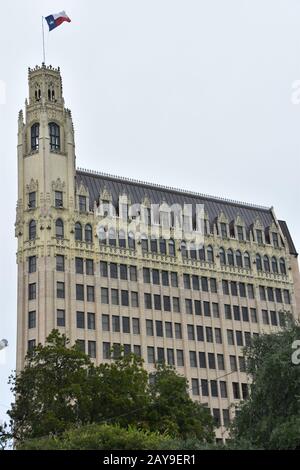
(57, 19)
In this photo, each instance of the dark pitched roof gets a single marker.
(287, 235)
(137, 190)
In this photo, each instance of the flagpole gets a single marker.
(43, 32)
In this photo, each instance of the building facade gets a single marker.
(102, 259)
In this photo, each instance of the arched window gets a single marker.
(153, 244)
(122, 239)
(210, 254)
(102, 235)
(247, 260)
(78, 232)
(59, 228)
(193, 252)
(230, 257)
(131, 241)
(162, 246)
(222, 256)
(282, 266)
(183, 249)
(32, 230)
(239, 259)
(258, 262)
(144, 242)
(35, 135)
(112, 237)
(171, 247)
(54, 134)
(202, 254)
(274, 265)
(88, 233)
(266, 264)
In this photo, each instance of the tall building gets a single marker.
(103, 259)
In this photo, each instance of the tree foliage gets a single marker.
(60, 388)
(270, 418)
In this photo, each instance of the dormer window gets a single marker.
(275, 239)
(82, 203)
(259, 237)
(240, 233)
(35, 135)
(54, 134)
(223, 227)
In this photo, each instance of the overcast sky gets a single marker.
(188, 93)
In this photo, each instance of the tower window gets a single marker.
(32, 230)
(32, 200)
(54, 134)
(78, 232)
(35, 134)
(59, 229)
(58, 199)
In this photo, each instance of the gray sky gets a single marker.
(188, 93)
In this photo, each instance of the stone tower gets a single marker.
(46, 189)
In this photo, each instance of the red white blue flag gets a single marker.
(56, 19)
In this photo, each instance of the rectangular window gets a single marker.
(262, 293)
(178, 331)
(60, 290)
(91, 319)
(244, 391)
(92, 349)
(165, 278)
(82, 203)
(221, 362)
(247, 336)
(106, 350)
(114, 296)
(233, 288)
(174, 279)
(32, 291)
(195, 387)
(202, 360)
(123, 272)
(133, 273)
(270, 293)
(103, 269)
(116, 324)
(200, 333)
(209, 334)
(126, 324)
(32, 264)
(113, 270)
(240, 232)
(167, 303)
(197, 305)
(159, 328)
(218, 335)
(150, 355)
(223, 389)
(193, 359)
(273, 316)
(104, 295)
(79, 265)
(230, 337)
(157, 302)
(265, 317)
(134, 299)
(147, 301)
(170, 357)
(233, 363)
(160, 355)
(32, 200)
(204, 388)
(245, 314)
(127, 349)
(89, 266)
(188, 306)
(190, 332)
(214, 388)
(60, 263)
(90, 293)
(60, 318)
(239, 338)
(204, 284)
(213, 285)
(236, 312)
(195, 282)
(286, 296)
(242, 364)
(136, 326)
(225, 287)
(31, 345)
(253, 315)
(275, 239)
(125, 298)
(211, 361)
(186, 281)
(105, 323)
(250, 289)
(149, 328)
(179, 357)
(227, 310)
(206, 308)
(176, 305)
(242, 289)
(217, 417)
(80, 319)
(155, 276)
(259, 237)
(168, 329)
(278, 295)
(31, 319)
(223, 227)
(137, 350)
(146, 275)
(215, 309)
(79, 292)
(58, 199)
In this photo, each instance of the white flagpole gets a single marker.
(44, 55)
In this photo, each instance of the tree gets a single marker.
(173, 410)
(5, 436)
(270, 418)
